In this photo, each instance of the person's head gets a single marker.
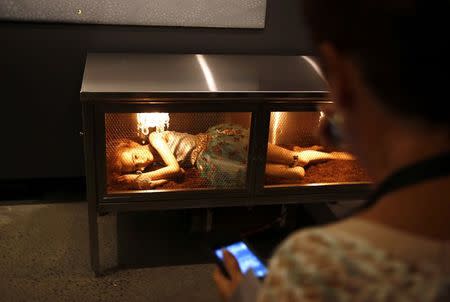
(126, 156)
(387, 66)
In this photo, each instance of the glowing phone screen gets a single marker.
(245, 257)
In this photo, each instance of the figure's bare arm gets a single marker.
(157, 177)
(172, 168)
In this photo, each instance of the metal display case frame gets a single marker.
(108, 88)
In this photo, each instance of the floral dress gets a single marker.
(223, 160)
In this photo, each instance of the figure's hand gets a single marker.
(141, 182)
(225, 286)
(157, 183)
(147, 184)
(127, 178)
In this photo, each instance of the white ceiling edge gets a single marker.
(190, 13)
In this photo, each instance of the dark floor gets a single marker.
(45, 255)
(163, 255)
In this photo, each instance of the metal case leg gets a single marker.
(103, 243)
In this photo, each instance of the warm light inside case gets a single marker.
(297, 134)
(211, 149)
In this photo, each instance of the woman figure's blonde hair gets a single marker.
(113, 158)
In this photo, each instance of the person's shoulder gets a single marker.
(327, 263)
(317, 237)
(304, 267)
(307, 247)
(344, 234)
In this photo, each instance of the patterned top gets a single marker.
(337, 263)
(220, 154)
(181, 145)
(224, 160)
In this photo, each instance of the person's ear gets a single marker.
(338, 74)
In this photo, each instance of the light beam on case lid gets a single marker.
(147, 120)
(314, 65)
(207, 73)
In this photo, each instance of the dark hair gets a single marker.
(400, 46)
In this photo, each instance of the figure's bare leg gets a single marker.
(311, 156)
(314, 147)
(283, 171)
(280, 155)
(342, 155)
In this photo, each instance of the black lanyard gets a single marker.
(430, 168)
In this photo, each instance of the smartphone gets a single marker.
(245, 256)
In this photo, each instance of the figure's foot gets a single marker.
(278, 171)
(295, 173)
(306, 157)
(342, 156)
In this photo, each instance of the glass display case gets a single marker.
(210, 148)
(297, 132)
(202, 131)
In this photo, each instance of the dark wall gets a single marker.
(41, 67)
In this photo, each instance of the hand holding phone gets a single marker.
(229, 265)
(245, 257)
(227, 275)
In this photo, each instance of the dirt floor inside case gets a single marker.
(333, 171)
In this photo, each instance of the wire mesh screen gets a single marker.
(295, 156)
(176, 151)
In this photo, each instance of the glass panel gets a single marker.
(176, 151)
(295, 157)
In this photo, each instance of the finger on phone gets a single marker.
(231, 264)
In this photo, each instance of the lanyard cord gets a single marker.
(431, 168)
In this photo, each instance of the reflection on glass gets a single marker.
(295, 157)
(196, 150)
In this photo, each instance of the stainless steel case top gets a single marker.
(169, 73)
